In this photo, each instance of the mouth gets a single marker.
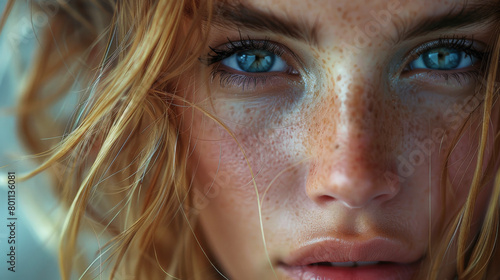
(352, 270)
(336, 259)
(346, 264)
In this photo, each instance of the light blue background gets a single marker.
(35, 260)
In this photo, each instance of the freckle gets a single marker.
(267, 218)
(344, 15)
(339, 9)
(339, 77)
(355, 89)
(336, 146)
(370, 107)
(324, 61)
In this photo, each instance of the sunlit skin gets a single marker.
(352, 147)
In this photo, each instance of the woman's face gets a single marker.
(343, 113)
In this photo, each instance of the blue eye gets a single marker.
(443, 59)
(254, 61)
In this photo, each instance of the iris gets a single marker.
(442, 59)
(255, 60)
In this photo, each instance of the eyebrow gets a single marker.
(466, 15)
(227, 13)
(242, 16)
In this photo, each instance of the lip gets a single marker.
(399, 261)
(385, 271)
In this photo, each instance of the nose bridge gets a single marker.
(356, 103)
(356, 127)
(353, 157)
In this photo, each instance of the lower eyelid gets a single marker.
(446, 79)
(230, 78)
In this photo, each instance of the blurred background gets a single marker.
(36, 209)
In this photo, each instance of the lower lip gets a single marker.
(387, 271)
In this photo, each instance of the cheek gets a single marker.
(464, 160)
(223, 165)
(462, 143)
(253, 140)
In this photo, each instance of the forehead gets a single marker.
(330, 10)
(339, 19)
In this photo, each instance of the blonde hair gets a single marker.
(127, 58)
(476, 255)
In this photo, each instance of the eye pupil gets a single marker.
(442, 59)
(255, 60)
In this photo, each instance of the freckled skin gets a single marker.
(321, 150)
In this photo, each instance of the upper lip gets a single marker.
(337, 250)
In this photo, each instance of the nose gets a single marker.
(351, 178)
(353, 157)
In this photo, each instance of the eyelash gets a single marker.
(232, 47)
(243, 45)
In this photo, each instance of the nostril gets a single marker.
(352, 179)
(354, 192)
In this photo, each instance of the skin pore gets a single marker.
(346, 137)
